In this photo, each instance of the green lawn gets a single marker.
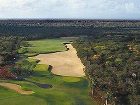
(41, 67)
(71, 79)
(32, 60)
(46, 46)
(65, 91)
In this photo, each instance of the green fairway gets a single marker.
(46, 46)
(64, 91)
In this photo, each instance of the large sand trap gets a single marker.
(64, 63)
(16, 88)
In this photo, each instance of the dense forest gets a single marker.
(8, 49)
(112, 68)
(63, 28)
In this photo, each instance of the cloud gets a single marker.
(131, 7)
(70, 9)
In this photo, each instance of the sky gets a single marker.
(70, 9)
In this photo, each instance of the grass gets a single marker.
(22, 50)
(46, 46)
(32, 60)
(65, 91)
(30, 54)
(71, 79)
(26, 88)
(41, 67)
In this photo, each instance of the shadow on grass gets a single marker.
(42, 74)
(46, 86)
(47, 73)
(81, 84)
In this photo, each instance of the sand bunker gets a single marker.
(16, 88)
(64, 63)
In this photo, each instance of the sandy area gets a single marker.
(64, 63)
(16, 88)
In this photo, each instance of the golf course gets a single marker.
(58, 76)
(64, 63)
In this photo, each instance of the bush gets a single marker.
(22, 50)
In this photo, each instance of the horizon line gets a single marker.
(67, 19)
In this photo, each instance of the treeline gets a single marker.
(112, 68)
(34, 29)
(77, 23)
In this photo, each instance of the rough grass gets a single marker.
(46, 46)
(32, 60)
(41, 67)
(27, 64)
(22, 50)
(31, 54)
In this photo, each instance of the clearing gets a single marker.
(46, 46)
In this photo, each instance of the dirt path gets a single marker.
(64, 63)
(16, 88)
